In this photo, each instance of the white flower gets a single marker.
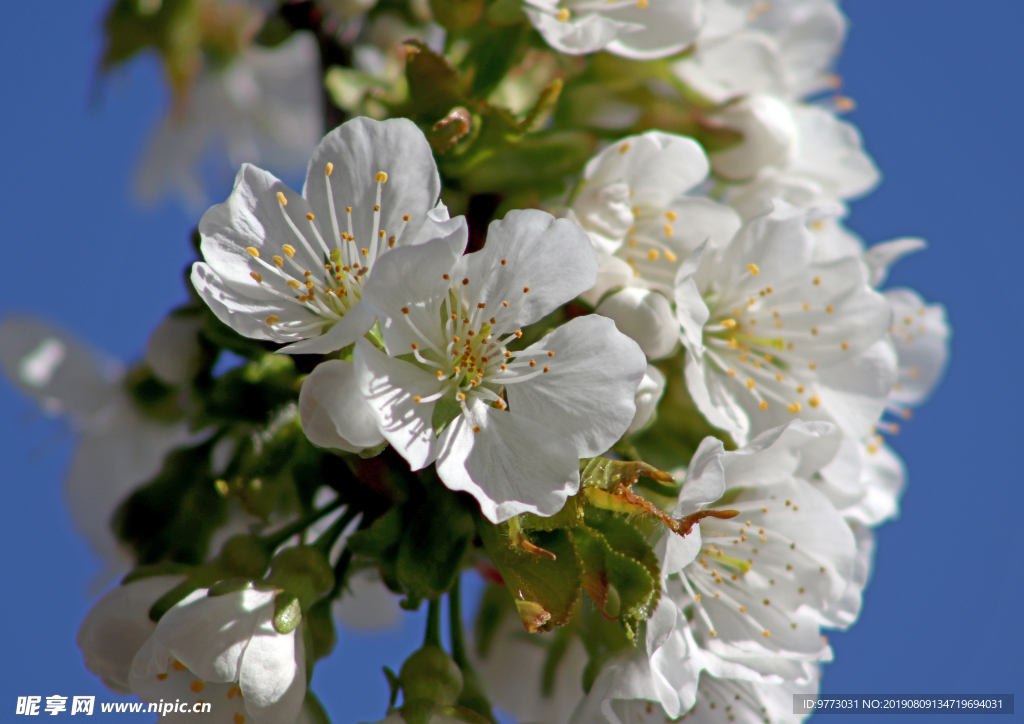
(291, 268)
(118, 625)
(513, 674)
(920, 334)
(770, 137)
(225, 649)
(864, 481)
(637, 29)
(264, 107)
(771, 335)
(119, 447)
(780, 48)
(506, 426)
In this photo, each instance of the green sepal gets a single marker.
(315, 710)
(303, 571)
(544, 590)
(165, 568)
(430, 674)
(287, 612)
(320, 624)
(446, 409)
(230, 585)
(570, 516)
(394, 685)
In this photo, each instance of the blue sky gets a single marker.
(939, 105)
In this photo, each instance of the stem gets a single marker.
(276, 539)
(455, 624)
(433, 635)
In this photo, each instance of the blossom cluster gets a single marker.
(655, 369)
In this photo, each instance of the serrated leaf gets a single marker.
(621, 586)
(545, 590)
(569, 516)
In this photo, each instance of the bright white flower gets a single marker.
(783, 49)
(506, 426)
(920, 334)
(225, 649)
(770, 137)
(718, 701)
(648, 395)
(265, 107)
(743, 598)
(118, 625)
(864, 481)
(291, 268)
(513, 674)
(637, 29)
(644, 316)
(119, 447)
(772, 334)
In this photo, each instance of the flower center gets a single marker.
(335, 286)
(475, 362)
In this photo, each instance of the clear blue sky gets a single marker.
(938, 91)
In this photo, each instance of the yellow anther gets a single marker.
(750, 384)
(641, 4)
(753, 269)
(767, 633)
(807, 307)
(272, 319)
(239, 717)
(625, 146)
(440, 375)
(197, 685)
(476, 428)
(416, 398)
(845, 345)
(668, 230)
(794, 407)
(381, 177)
(743, 609)
(329, 169)
(729, 323)
(653, 254)
(817, 281)
(778, 378)
(800, 389)
(814, 401)
(257, 276)
(712, 631)
(348, 209)
(563, 14)
(763, 406)
(671, 215)
(365, 251)
(161, 677)
(732, 373)
(279, 261)
(669, 256)
(293, 284)
(381, 233)
(829, 309)
(282, 199)
(814, 331)
(252, 251)
(812, 366)
(844, 103)
(288, 250)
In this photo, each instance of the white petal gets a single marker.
(645, 317)
(512, 465)
(796, 449)
(770, 137)
(389, 386)
(173, 351)
(740, 64)
(612, 273)
(209, 634)
(656, 167)
(359, 149)
(553, 258)
(921, 337)
(830, 152)
(334, 413)
(357, 321)
(854, 392)
(117, 626)
(705, 478)
(588, 394)
(577, 36)
(413, 278)
(647, 397)
(881, 257)
(272, 673)
(668, 27)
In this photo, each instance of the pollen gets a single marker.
(743, 609)
(329, 169)
(817, 281)
(406, 217)
(440, 375)
(753, 269)
(293, 284)
(845, 345)
(381, 177)
(257, 276)
(310, 217)
(563, 14)
(729, 323)
(671, 215)
(272, 319)
(794, 407)
(288, 250)
(641, 4)
(161, 677)
(653, 255)
(767, 633)
(465, 281)
(668, 230)
(764, 404)
(282, 199)
(366, 252)
(239, 717)
(252, 251)
(669, 256)
(476, 428)
(416, 398)
(197, 685)
(830, 309)
(750, 384)
(526, 290)
(814, 401)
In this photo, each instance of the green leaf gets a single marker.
(494, 605)
(494, 52)
(545, 590)
(320, 622)
(621, 586)
(433, 84)
(434, 544)
(569, 516)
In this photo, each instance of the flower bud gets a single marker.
(431, 674)
(303, 571)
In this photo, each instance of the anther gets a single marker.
(282, 199)
(465, 281)
(381, 177)
(288, 250)
(348, 209)
(406, 217)
(293, 284)
(669, 256)
(731, 372)
(668, 231)
(753, 269)
(794, 407)
(526, 290)
(366, 252)
(845, 345)
(329, 169)
(405, 310)
(504, 262)
(416, 398)
(391, 242)
(481, 305)
(310, 217)
(257, 276)
(653, 254)
(272, 319)
(504, 304)
(764, 404)
(814, 401)
(817, 281)
(252, 251)
(563, 14)
(750, 384)
(445, 276)
(547, 369)
(729, 323)
(519, 334)
(376, 207)
(533, 363)
(551, 354)
(476, 428)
